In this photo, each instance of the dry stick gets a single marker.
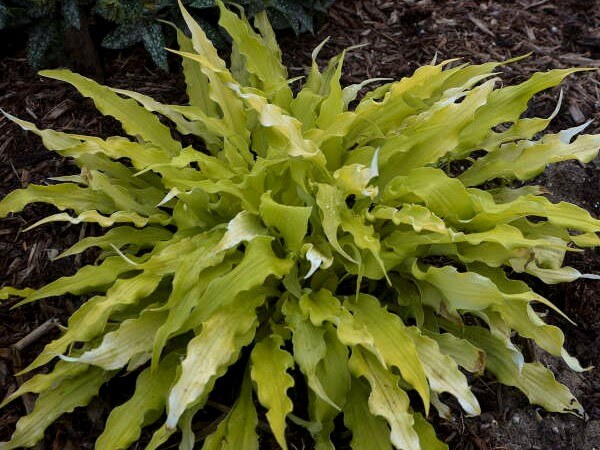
(533, 5)
(482, 26)
(35, 334)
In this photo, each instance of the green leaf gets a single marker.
(191, 280)
(196, 82)
(287, 127)
(434, 134)
(123, 36)
(533, 379)
(307, 101)
(269, 371)
(261, 60)
(297, 17)
(124, 424)
(52, 403)
(310, 348)
(120, 237)
(238, 429)
(154, 43)
(393, 339)
(86, 279)
(460, 350)
(521, 317)
(524, 159)
(507, 104)
(133, 338)
(63, 196)
(39, 383)
(331, 203)
(201, 43)
(220, 88)
(92, 317)
(563, 214)
(443, 373)
(368, 430)
(243, 227)
(184, 126)
(42, 35)
(53, 140)
(8, 291)
(386, 399)
(78, 146)
(466, 290)
(188, 436)
(334, 376)
(333, 103)
(427, 437)
(401, 99)
(209, 354)
(290, 221)
(106, 221)
(444, 196)
(136, 120)
(159, 437)
(259, 263)
(4, 15)
(320, 306)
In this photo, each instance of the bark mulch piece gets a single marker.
(400, 36)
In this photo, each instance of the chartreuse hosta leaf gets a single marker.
(269, 371)
(238, 429)
(320, 253)
(368, 430)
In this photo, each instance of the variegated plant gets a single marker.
(305, 238)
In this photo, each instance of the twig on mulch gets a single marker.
(35, 334)
(534, 4)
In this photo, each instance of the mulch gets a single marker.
(401, 35)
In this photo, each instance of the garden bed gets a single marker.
(401, 36)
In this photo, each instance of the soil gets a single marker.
(401, 36)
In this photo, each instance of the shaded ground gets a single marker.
(401, 35)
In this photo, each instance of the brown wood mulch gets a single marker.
(401, 35)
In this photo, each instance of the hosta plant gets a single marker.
(343, 253)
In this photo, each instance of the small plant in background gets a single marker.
(135, 21)
(295, 14)
(306, 238)
(45, 21)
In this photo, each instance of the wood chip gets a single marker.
(576, 114)
(579, 60)
(482, 26)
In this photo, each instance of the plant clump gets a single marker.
(310, 235)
